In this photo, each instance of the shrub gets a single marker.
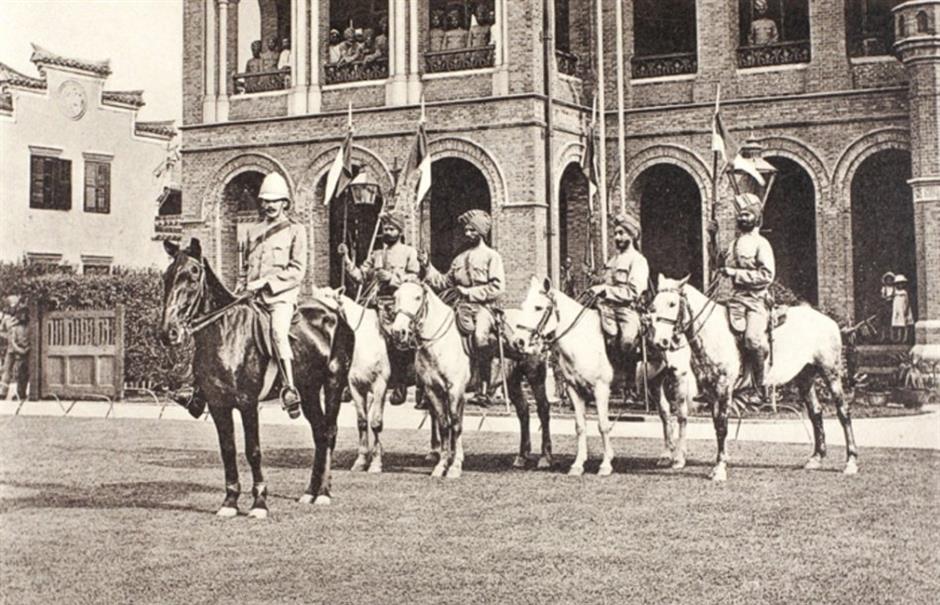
(140, 291)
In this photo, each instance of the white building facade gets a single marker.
(79, 175)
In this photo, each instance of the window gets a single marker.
(358, 45)
(170, 202)
(50, 183)
(97, 187)
(93, 264)
(264, 46)
(566, 60)
(773, 32)
(460, 35)
(868, 27)
(664, 42)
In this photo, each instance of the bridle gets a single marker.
(417, 320)
(538, 335)
(191, 321)
(684, 322)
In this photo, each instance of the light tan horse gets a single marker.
(548, 317)
(442, 367)
(672, 386)
(807, 345)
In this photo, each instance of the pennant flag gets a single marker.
(340, 173)
(750, 167)
(727, 147)
(420, 159)
(589, 160)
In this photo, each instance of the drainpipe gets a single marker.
(548, 71)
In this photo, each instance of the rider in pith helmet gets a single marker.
(388, 266)
(749, 262)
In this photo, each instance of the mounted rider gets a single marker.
(387, 268)
(478, 278)
(749, 262)
(626, 277)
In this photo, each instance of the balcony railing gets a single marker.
(460, 59)
(567, 63)
(261, 81)
(768, 55)
(342, 73)
(656, 66)
(169, 227)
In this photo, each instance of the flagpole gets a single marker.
(602, 130)
(713, 215)
(621, 134)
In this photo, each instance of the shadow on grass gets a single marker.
(155, 495)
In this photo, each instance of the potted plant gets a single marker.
(916, 381)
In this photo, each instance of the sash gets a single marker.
(271, 232)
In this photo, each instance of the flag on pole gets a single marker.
(589, 160)
(340, 173)
(420, 159)
(727, 147)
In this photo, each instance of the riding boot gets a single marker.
(290, 398)
(757, 373)
(398, 380)
(191, 399)
(482, 396)
(399, 394)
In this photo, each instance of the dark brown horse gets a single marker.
(229, 367)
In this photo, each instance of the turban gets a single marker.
(750, 203)
(394, 218)
(628, 223)
(478, 219)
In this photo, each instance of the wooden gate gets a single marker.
(81, 354)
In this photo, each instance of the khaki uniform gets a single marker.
(277, 254)
(480, 270)
(399, 260)
(626, 279)
(455, 39)
(763, 31)
(751, 260)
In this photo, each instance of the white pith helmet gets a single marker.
(274, 187)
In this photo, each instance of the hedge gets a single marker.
(140, 291)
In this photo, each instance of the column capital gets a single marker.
(917, 30)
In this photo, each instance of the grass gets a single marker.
(122, 511)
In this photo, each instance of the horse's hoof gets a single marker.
(323, 500)
(851, 467)
(454, 472)
(678, 464)
(438, 471)
(227, 512)
(359, 465)
(375, 467)
(258, 513)
(432, 457)
(306, 499)
(719, 474)
(518, 462)
(813, 464)
(576, 470)
(544, 463)
(605, 470)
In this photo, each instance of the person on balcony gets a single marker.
(336, 46)
(763, 28)
(480, 26)
(351, 49)
(283, 60)
(379, 48)
(270, 56)
(436, 34)
(254, 63)
(456, 36)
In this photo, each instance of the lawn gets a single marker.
(121, 511)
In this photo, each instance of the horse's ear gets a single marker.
(684, 280)
(195, 248)
(659, 281)
(340, 291)
(547, 284)
(171, 248)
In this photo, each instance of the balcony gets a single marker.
(261, 81)
(460, 59)
(344, 73)
(567, 63)
(770, 55)
(658, 66)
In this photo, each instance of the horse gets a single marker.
(671, 383)
(807, 345)
(442, 366)
(551, 318)
(230, 367)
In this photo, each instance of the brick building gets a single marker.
(840, 95)
(78, 168)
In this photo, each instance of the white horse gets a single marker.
(442, 367)
(548, 316)
(806, 345)
(369, 373)
(672, 385)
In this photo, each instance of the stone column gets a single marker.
(298, 58)
(222, 104)
(396, 89)
(918, 45)
(210, 33)
(414, 77)
(316, 58)
(498, 33)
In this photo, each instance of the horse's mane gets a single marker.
(220, 294)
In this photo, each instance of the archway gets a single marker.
(239, 211)
(790, 226)
(882, 230)
(456, 186)
(574, 226)
(671, 219)
(359, 222)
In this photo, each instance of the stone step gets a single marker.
(880, 356)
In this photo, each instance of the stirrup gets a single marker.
(290, 401)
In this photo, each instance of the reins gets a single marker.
(710, 305)
(196, 322)
(417, 322)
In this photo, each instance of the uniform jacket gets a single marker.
(480, 269)
(751, 259)
(280, 259)
(627, 277)
(399, 259)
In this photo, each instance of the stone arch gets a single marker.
(572, 153)
(858, 151)
(676, 155)
(805, 156)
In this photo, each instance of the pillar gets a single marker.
(221, 107)
(210, 98)
(316, 59)
(299, 50)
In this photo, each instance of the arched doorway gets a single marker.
(671, 219)
(574, 226)
(882, 230)
(239, 211)
(359, 221)
(790, 226)
(456, 186)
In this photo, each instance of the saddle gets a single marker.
(737, 318)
